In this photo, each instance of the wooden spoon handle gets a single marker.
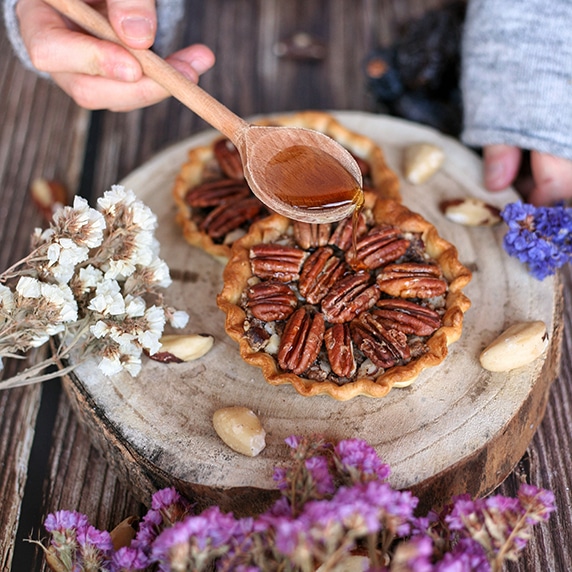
(183, 89)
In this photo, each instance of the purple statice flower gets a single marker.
(293, 441)
(538, 503)
(130, 559)
(149, 528)
(414, 555)
(95, 548)
(280, 477)
(365, 508)
(195, 536)
(466, 556)
(361, 460)
(291, 536)
(167, 507)
(164, 498)
(540, 237)
(65, 520)
(319, 470)
(463, 510)
(98, 539)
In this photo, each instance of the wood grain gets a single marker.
(454, 419)
(43, 132)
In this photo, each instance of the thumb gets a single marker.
(134, 21)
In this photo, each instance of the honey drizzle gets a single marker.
(322, 184)
(355, 222)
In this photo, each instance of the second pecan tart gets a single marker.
(311, 311)
(215, 205)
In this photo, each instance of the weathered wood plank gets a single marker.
(28, 149)
(248, 78)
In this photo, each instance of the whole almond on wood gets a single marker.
(517, 346)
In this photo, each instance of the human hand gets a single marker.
(550, 177)
(97, 74)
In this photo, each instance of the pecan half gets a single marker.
(408, 317)
(228, 158)
(320, 272)
(231, 215)
(213, 193)
(301, 341)
(412, 280)
(271, 301)
(352, 295)
(380, 246)
(342, 237)
(338, 342)
(309, 235)
(385, 347)
(277, 261)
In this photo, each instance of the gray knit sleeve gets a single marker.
(13, 32)
(517, 74)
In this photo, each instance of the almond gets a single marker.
(517, 346)
(422, 161)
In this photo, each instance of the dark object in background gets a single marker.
(417, 77)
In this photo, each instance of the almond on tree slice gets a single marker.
(240, 429)
(421, 162)
(179, 348)
(517, 346)
(470, 211)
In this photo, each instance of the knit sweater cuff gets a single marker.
(13, 31)
(517, 75)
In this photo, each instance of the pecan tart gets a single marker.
(214, 203)
(312, 310)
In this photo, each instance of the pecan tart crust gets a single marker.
(311, 311)
(215, 205)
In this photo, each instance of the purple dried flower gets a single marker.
(127, 558)
(538, 503)
(467, 556)
(539, 236)
(194, 536)
(414, 555)
(65, 520)
(293, 441)
(356, 455)
(463, 509)
(319, 470)
(366, 508)
(91, 536)
(291, 535)
(280, 477)
(164, 498)
(149, 528)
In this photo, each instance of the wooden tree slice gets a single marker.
(457, 428)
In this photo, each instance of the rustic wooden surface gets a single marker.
(48, 460)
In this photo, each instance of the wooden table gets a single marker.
(47, 460)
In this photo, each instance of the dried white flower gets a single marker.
(61, 297)
(178, 319)
(29, 287)
(108, 299)
(88, 278)
(6, 300)
(92, 279)
(134, 306)
(155, 322)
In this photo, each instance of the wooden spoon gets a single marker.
(300, 173)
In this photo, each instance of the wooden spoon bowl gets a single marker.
(299, 173)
